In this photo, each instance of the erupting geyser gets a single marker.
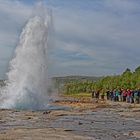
(26, 86)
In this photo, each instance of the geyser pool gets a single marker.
(26, 87)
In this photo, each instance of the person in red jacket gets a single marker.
(128, 95)
(124, 93)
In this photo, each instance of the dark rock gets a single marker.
(47, 112)
(80, 123)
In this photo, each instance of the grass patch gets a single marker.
(84, 94)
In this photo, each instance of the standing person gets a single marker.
(117, 95)
(97, 94)
(124, 95)
(128, 96)
(93, 96)
(111, 95)
(135, 96)
(114, 95)
(132, 96)
(108, 94)
(138, 96)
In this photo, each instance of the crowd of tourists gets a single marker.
(120, 95)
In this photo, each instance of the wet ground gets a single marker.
(102, 124)
(113, 122)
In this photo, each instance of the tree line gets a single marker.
(126, 80)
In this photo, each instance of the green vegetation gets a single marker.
(75, 86)
(82, 94)
(83, 83)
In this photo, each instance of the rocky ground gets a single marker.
(80, 120)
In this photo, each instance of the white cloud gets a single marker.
(13, 16)
(103, 31)
(104, 35)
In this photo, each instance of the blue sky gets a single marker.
(91, 37)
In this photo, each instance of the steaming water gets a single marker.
(27, 79)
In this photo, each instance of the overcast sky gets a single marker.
(91, 37)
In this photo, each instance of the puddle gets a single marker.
(58, 107)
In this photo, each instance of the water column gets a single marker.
(26, 86)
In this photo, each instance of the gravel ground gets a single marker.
(110, 122)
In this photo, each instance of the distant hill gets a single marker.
(66, 79)
(77, 78)
(59, 82)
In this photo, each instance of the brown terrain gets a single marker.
(75, 119)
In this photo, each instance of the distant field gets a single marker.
(80, 94)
